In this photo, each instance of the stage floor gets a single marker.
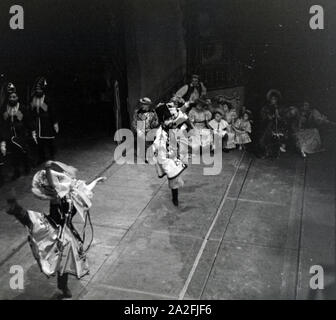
(252, 232)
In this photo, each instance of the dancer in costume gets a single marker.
(165, 151)
(56, 245)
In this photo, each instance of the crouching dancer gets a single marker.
(165, 153)
(56, 245)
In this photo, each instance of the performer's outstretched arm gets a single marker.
(94, 182)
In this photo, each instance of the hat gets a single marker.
(273, 93)
(248, 112)
(39, 85)
(218, 110)
(201, 102)
(195, 76)
(145, 101)
(11, 88)
(162, 112)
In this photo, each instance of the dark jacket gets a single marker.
(43, 121)
(15, 128)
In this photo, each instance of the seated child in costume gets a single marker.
(219, 127)
(242, 127)
(199, 117)
(230, 117)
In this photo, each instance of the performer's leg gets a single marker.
(62, 284)
(175, 196)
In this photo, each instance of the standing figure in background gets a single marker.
(144, 120)
(191, 92)
(243, 129)
(14, 133)
(274, 129)
(44, 120)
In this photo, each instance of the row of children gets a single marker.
(26, 130)
(204, 120)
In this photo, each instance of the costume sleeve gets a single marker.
(182, 91)
(191, 115)
(212, 124)
(248, 127)
(208, 115)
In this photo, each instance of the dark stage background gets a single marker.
(150, 46)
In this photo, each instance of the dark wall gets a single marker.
(79, 46)
(273, 39)
(156, 53)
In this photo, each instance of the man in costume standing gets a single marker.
(44, 120)
(14, 133)
(273, 126)
(193, 91)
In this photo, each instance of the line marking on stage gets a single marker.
(206, 239)
(257, 201)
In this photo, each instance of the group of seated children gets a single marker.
(224, 123)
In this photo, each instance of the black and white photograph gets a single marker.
(180, 150)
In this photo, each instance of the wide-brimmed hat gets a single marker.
(146, 101)
(162, 112)
(273, 93)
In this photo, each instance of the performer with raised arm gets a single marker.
(165, 153)
(56, 245)
(44, 121)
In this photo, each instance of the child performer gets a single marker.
(230, 118)
(165, 151)
(242, 127)
(219, 126)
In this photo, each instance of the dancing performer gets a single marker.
(56, 245)
(165, 151)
